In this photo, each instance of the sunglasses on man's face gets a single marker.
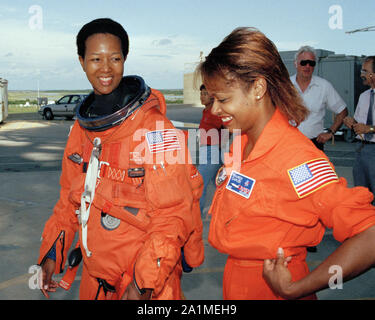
(312, 63)
(365, 72)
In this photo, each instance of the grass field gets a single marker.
(17, 99)
(18, 109)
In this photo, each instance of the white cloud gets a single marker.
(37, 46)
(162, 42)
(294, 45)
(51, 57)
(30, 54)
(6, 9)
(178, 49)
(163, 66)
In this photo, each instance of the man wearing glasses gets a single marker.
(318, 95)
(363, 126)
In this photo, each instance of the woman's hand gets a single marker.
(131, 293)
(48, 285)
(277, 275)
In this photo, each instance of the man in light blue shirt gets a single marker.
(363, 125)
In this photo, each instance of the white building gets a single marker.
(192, 84)
(3, 99)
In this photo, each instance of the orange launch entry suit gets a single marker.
(283, 195)
(137, 225)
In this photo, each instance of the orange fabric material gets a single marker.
(163, 200)
(274, 216)
(194, 247)
(161, 101)
(70, 275)
(89, 286)
(209, 122)
(240, 279)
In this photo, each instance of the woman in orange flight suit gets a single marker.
(125, 185)
(276, 190)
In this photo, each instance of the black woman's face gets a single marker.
(103, 62)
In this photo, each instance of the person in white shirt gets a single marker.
(318, 95)
(363, 126)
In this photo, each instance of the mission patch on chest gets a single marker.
(240, 184)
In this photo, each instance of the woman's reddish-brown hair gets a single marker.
(247, 54)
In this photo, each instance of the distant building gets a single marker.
(192, 83)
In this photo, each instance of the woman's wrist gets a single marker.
(292, 291)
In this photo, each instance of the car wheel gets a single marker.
(48, 114)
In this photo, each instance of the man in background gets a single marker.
(318, 95)
(363, 125)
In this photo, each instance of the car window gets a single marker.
(75, 99)
(64, 99)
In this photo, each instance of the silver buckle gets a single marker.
(100, 167)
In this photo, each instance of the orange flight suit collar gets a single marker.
(274, 129)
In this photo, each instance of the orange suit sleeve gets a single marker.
(348, 211)
(62, 225)
(170, 197)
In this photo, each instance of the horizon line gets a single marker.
(54, 90)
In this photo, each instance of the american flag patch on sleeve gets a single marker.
(311, 176)
(162, 140)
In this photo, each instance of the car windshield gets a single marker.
(64, 99)
(75, 99)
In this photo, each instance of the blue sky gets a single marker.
(37, 38)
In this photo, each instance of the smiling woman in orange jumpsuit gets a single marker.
(126, 186)
(279, 190)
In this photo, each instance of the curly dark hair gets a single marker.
(102, 25)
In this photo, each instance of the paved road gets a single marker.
(30, 155)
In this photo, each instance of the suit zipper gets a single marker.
(62, 233)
